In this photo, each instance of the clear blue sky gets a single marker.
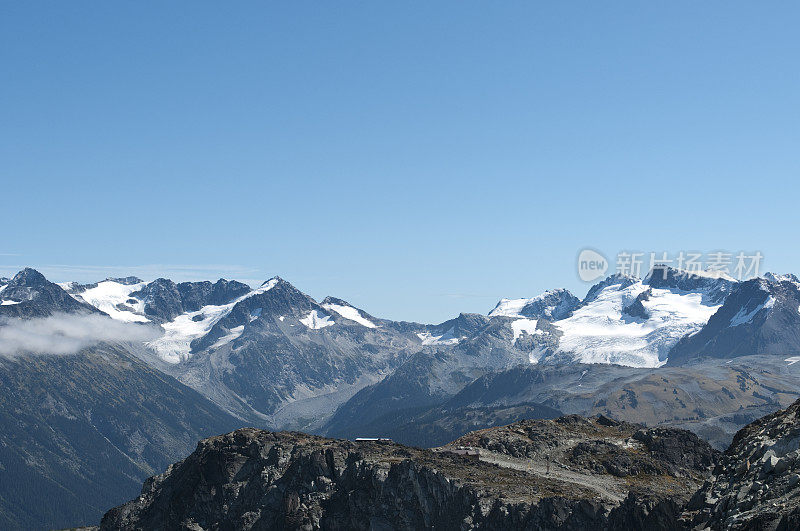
(415, 158)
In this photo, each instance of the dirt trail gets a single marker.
(606, 486)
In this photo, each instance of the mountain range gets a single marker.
(135, 372)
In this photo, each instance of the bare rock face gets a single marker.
(645, 475)
(30, 294)
(253, 479)
(757, 483)
(759, 316)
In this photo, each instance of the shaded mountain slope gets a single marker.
(712, 399)
(79, 433)
(758, 317)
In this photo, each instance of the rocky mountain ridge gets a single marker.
(29, 294)
(756, 484)
(252, 479)
(79, 433)
(568, 473)
(273, 357)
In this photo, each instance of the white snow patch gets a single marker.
(348, 312)
(524, 325)
(536, 354)
(315, 320)
(509, 307)
(230, 336)
(175, 345)
(9, 303)
(263, 288)
(600, 333)
(108, 294)
(792, 360)
(744, 317)
(514, 307)
(448, 338)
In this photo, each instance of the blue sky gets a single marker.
(415, 158)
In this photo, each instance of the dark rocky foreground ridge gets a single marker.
(568, 473)
(757, 482)
(80, 433)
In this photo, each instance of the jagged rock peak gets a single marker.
(617, 279)
(553, 304)
(30, 294)
(28, 277)
(789, 277)
(335, 300)
(716, 285)
(127, 281)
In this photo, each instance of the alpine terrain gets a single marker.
(568, 473)
(107, 383)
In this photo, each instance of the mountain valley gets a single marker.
(139, 371)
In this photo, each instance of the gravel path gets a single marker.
(606, 486)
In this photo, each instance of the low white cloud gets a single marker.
(62, 334)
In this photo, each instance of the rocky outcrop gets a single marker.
(665, 457)
(715, 288)
(30, 294)
(553, 305)
(567, 473)
(195, 295)
(636, 309)
(757, 482)
(642, 510)
(164, 299)
(253, 479)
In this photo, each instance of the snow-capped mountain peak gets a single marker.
(179, 333)
(552, 304)
(622, 320)
(715, 285)
(760, 316)
(772, 277)
(347, 311)
(635, 322)
(30, 294)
